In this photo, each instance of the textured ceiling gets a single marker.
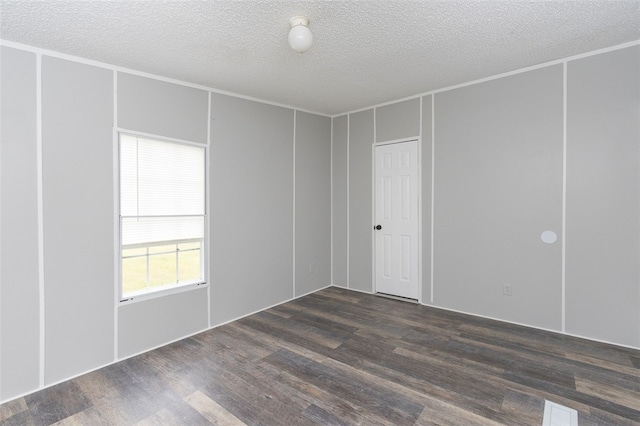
(364, 52)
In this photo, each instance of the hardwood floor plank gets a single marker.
(455, 378)
(320, 416)
(511, 361)
(278, 397)
(231, 348)
(357, 316)
(252, 402)
(13, 408)
(328, 325)
(176, 413)
(56, 403)
(569, 362)
(128, 407)
(522, 408)
(549, 342)
(23, 418)
(595, 417)
(372, 396)
(315, 334)
(448, 415)
(442, 376)
(342, 319)
(344, 409)
(96, 386)
(488, 374)
(211, 410)
(611, 391)
(341, 294)
(90, 416)
(588, 362)
(635, 360)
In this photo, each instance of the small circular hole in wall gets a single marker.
(548, 237)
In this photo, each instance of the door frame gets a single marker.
(418, 140)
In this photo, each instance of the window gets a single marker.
(162, 214)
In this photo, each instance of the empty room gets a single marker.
(320, 212)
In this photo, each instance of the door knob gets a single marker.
(378, 227)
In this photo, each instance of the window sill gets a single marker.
(161, 292)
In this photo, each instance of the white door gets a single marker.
(396, 219)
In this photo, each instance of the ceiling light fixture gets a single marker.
(300, 37)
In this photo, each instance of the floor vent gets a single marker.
(559, 415)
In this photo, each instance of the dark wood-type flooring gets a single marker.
(339, 357)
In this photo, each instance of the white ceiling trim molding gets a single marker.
(116, 68)
(59, 55)
(501, 75)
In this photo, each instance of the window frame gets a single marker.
(204, 249)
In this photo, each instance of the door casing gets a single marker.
(417, 140)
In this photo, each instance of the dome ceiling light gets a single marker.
(300, 37)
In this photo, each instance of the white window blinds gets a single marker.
(162, 191)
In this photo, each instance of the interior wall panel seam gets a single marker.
(420, 195)
(295, 119)
(563, 247)
(117, 237)
(40, 189)
(373, 200)
(433, 186)
(1, 285)
(348, 201)
(331, 280)
(208, 191)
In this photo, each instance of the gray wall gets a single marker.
(313, 202)
(161, 108)
(156, 321)
(603, 187)
(19, 285)
(251, 194)
(339, 202)
(398, 121)
(499, 184)
(251, 206)
(360, 199)
(426, 159)
(77, 174)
